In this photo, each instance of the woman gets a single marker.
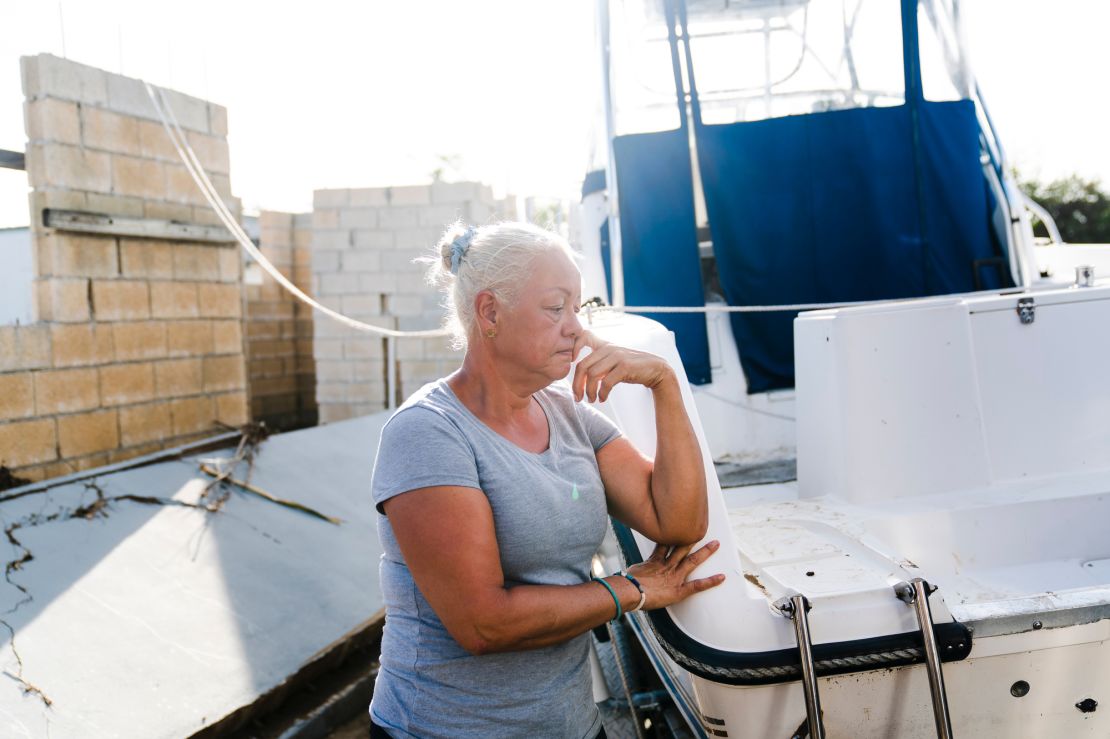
(495, 483)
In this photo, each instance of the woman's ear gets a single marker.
(486, 309)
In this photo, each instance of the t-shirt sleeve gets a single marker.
(599, 427)
(421, 448)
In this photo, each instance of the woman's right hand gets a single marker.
(663, 575)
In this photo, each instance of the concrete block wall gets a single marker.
(280, 364)
(364, 242)
(138, 343)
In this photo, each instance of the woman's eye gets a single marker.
(556, 308)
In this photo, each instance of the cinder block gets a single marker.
(78, 344)
(45, 75)
(88, 433)
(372, 239)
(27, 442)
(64, 166)
(220, 300)
(455, 192)
(73, 255)
(358, 218)
(227, 337)
(279, 256)
(325, 260)
(358, 306)
(180, 187)
(327, 348)
(331, 392)
(173, 300)
(139, 340)
(217, 119)
(329, 370)
(120, 300)
(232, 409)
(409, 349)
(146, 258)
(17, 396)
(189, 338)
(143, 423)
(103, 129)
(211, 151)
(399, 217)
(127, 95)
(404, 305)
(331, 240)
(196, 262)
(364, 348)
(66, 391)
(376, 282)
(205, 216)
(63, 300)
(191, 415)
(410, 195)
(339, 284)
(155, 143)
(144, 178)
(361, 260)
(418, 240)
(400, 262)
(190, 112)
(178, 377)
(334, 412)
(50, 119)
(115, 205)
(231, 263)
(330, 198)
(369, 197)
(168, 211)
(126, 383)
(440, 216)
(325, 218)
(224, 373)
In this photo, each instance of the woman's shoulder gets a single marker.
(431, 405)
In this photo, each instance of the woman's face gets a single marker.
(538, 332)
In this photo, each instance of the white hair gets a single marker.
(499, 259)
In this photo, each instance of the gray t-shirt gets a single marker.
(550, 517)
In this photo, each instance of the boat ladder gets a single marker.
(796, 608)
(916, 593)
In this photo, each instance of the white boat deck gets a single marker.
(1033, 550)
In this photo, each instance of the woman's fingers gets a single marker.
(703, 583)
(678, 553)
(697, 557)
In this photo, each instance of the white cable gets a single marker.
(192, 164)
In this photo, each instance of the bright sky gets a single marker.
(333, 94)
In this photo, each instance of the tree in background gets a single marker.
(1079, 206)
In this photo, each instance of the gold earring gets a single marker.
(491, 332)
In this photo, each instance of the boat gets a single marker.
(897, 388)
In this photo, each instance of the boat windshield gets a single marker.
(759, 59)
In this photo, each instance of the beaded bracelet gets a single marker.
(612, 593)
(634, 581)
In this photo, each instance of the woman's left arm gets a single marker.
(665, 498)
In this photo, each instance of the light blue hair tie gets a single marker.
(459, 247)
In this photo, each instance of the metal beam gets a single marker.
(12, 160)
(147, 228)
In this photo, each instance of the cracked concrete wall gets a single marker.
(364, 242)
(138, 343)
(280, 365)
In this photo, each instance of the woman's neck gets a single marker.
(489, 392)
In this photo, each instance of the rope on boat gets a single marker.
(877, 659)
(192, 164)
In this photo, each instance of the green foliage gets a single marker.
(1080, 207)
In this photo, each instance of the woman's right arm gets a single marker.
(449, 543)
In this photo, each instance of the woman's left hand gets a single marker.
(609, 364)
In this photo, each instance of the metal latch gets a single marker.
(1025, 310)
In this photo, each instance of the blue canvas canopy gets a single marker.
(841, 205)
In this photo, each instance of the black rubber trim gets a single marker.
(953, 642)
